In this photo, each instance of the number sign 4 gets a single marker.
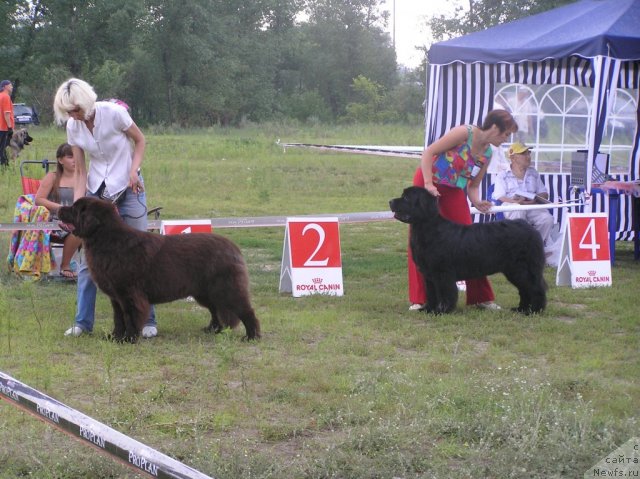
(585, 258)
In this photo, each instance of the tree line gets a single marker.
(208, 62)
(218, 62)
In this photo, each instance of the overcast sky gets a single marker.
(410, 28)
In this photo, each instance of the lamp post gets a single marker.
(393, 34)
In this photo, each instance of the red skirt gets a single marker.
(453, 205)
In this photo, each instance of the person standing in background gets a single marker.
(6, 119)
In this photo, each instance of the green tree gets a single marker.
(57, 39)
(210, 62)
(199, 62)
(479, 15)
(344, 39)
(369, 98)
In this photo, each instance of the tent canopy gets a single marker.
(587, 28)
(589, 43)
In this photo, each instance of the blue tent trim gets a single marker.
(587, 28)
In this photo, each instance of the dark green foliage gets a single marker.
(197, 62)
(186, 63)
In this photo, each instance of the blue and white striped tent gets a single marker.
(591, 43)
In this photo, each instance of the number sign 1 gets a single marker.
(311, 258)
(176, 227)
(584, 255)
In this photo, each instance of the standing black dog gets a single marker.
(446, 252)
(136, 269)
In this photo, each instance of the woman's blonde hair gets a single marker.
(73, 93)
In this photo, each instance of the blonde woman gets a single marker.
(102, 134)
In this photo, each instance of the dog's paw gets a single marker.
(112, 337)
(213, 329)
(525, 311)
(254, 337)
(119, 338)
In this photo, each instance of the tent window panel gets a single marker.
(575, 130)
(555, 121)
(551, 161)
(620, 131)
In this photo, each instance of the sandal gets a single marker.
(68, 273)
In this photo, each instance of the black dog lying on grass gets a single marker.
(137, 269)
(446, 252)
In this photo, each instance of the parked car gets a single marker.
(25, 115)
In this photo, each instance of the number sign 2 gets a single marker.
(311, 258)
(585, 259)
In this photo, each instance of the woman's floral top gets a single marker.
(456, 166)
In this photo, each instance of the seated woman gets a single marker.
(521, 184)
(56, 190)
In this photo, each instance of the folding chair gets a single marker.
(30, 185)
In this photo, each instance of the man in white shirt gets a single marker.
(521, 184)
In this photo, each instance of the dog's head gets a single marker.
(414, 206)
(88, 216)
(26, 139)
(22, 137)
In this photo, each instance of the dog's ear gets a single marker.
(87, 225)
(85, 222)
(428, 202)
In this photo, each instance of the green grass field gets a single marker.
(349, 387)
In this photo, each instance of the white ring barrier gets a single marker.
(139, 457)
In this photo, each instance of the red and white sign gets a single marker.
(585, 259)
(311, 257)
(177, 227)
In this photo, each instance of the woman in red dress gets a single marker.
(450, 165)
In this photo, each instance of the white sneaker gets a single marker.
(488, 305)
(416, 307)
(149, 332)
(74, 331)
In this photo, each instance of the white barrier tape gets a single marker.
(515, 207)
(29, 226)
(139, 457)
(395, 151)
(270, 221)
(240, 222)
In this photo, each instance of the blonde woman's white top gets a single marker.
(108, 150)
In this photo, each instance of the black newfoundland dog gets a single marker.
(137, 269)
(446, 252)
